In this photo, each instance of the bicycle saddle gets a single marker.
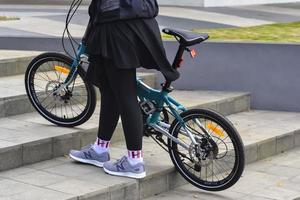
(187, 38)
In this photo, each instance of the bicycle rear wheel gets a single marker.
(74, 106)
(218, 162)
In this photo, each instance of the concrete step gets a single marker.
(15, 62)
(264, 133)
(276, 177)
(29, 138)
(14, 100)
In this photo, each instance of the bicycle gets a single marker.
(203, 145)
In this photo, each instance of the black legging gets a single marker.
(119, 97)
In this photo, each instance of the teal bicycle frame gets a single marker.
(146, 93)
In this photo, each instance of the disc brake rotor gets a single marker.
(62, 96)
(206, 155)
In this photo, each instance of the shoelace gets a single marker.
(86, 147)
(119, 161)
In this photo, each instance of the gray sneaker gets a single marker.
(89, 156)
(122, 167)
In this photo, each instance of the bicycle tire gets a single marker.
(232, 133)
(31, 93)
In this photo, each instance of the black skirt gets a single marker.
(130, 44)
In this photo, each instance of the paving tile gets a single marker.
(42, 194)
(104, 179)
(48, 163)
(40, 178)
(278, 170)
(10, 187)
(10, 174)
(253, 197)
(72, 169)
(278, 193)
(77, 187)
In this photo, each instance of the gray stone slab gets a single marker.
(266, 148)
(297, 138)
(129, 192)
(251, 153)
(71, 187)
(95, 196)
(41, 193)
(13, 97)
(63, 144)
(37, 151)
(86, 183)
(175, 180)
(49, 163)
(11, 157)
(29, 129)
(40, 178)
(72, 170)
(285, 143)
(10, 187)
(10, 174)
(152, 186)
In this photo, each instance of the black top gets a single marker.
(131, 44)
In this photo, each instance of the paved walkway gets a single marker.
(48, 21)
(274, 178)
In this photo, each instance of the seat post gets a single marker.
(178, 57)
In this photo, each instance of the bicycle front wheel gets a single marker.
(71, 107)
(217, 162)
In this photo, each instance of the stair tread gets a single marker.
(13, 86)
(272, 178)
(260, 125)
(30, 127)
(66, 179)
(11, 55)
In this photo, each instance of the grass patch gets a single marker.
(5, 18)
(279, 32)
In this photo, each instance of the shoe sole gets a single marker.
(91, 162)
(126, 174)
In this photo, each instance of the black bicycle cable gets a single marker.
(68, 32)
(66, 27)
(70, 14)
(75, 5)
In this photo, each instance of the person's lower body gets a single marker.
(118, 98)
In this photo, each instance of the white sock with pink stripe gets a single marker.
(101, 146)
(135, 157)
